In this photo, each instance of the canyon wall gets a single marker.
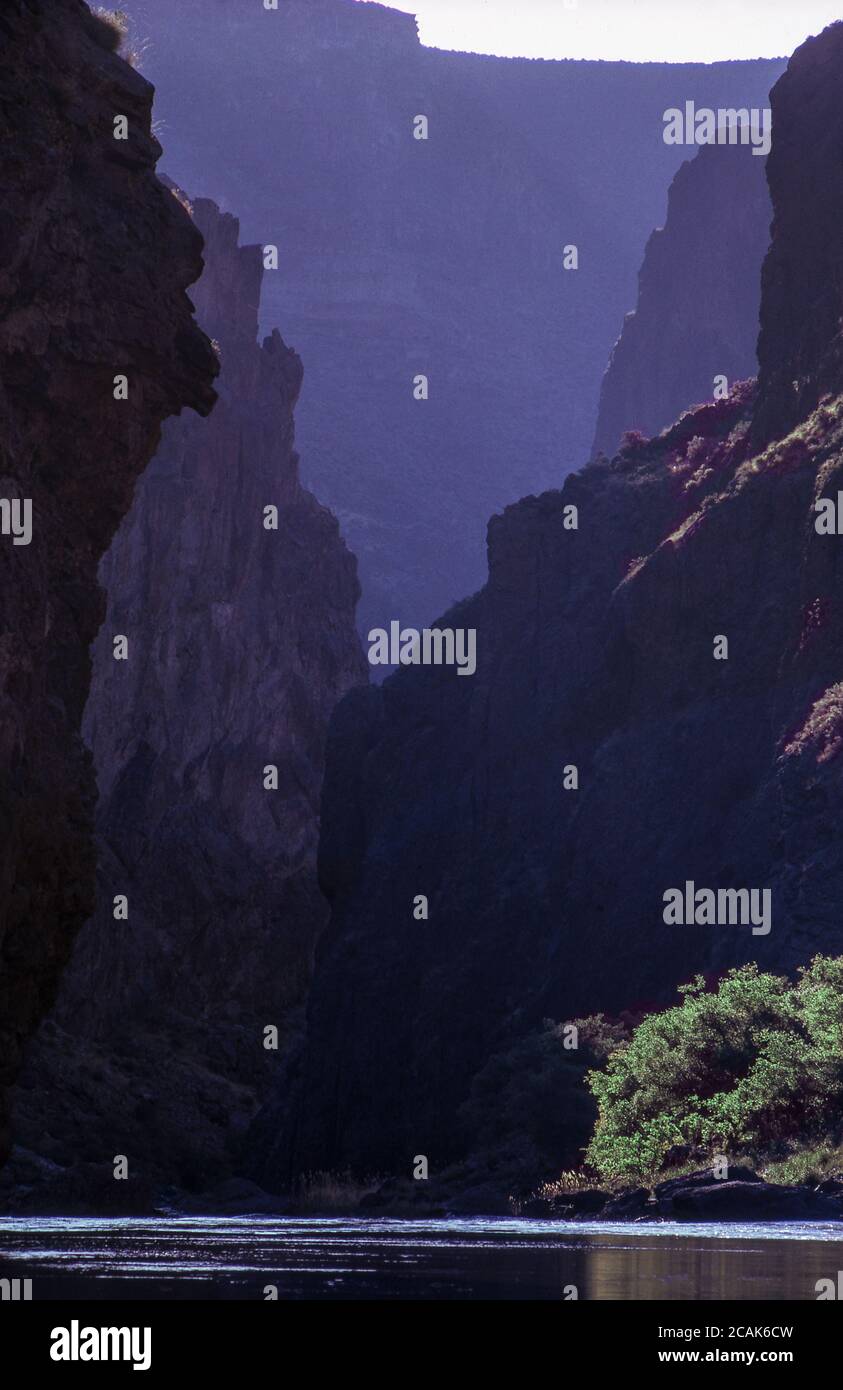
(241, 638)
(95, 259)
(441, 257)
(800, 346)
(698, 294)
(600, 649)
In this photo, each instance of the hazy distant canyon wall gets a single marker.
(401, 257)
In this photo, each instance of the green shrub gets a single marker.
(807, 1166)
(750, 1068)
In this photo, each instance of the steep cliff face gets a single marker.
(597, 649)
(95, 258)
(442, 257)
(698, 294)
(240, 641)
(800, 347)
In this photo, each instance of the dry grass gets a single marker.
(331, 1192)
(131, 50)
(572, 1180)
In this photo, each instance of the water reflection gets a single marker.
(328, 1258)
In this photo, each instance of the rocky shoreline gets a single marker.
(741, 1196)
(700, 1196)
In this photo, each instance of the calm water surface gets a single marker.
(347, 1258)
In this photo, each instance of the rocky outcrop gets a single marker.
(236, 597)
(600, 649)
(95, 258)
(401, 257)
(698, 293)
(738, 1194)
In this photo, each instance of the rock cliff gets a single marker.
(800, 346)
(443, 257)
(698, 293)
(241, 638)
(601, 648)
(95, 259)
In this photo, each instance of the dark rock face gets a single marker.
(746, 1201)
(627, 1206)
(704, 1177)
(95, 258)
(400, 257)
(570, 1206)
(698, 294)
(485, 1200)
(742, 1196)
(800, 347)
(596, 648)
(241, 640)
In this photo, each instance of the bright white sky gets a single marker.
(702, 31)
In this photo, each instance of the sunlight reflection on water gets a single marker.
(459, 1258)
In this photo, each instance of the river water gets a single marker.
(349, 1258)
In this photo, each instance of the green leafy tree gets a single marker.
(748, 1068)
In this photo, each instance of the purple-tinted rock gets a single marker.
(596, 649)
(241, 640)
(95, 259)
(698, 293)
